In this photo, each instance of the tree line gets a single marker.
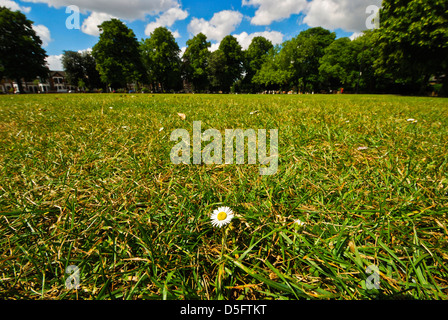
(409, 47)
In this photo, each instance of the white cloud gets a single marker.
(172, 15)
(88, 50)
(44, 34)
(176, 34)
(245, 39)
(14, 6)
(182, 51)
(167, 19)
(220, 25)
(214, 46)
(150, 27)
(55, 62)
(90, 24)
(128, 10)
(274, 10)
(355, 35)
(348, 15)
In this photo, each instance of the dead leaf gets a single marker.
(182, 116)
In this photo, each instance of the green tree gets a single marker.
(300, 56)
(161, 58)
(226, 64)
(338, 65)
(413, 41)
(117, 55)
(271, 75)
(21, 52)
(73, 67)
(215, 70)
(254, 57)
(195, 61)
(366, 52)
(81, 66)
(92, 76)
(81, 84)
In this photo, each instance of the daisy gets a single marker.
(221, 216)
(299, 223)
(411, 120)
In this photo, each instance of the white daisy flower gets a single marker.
(411, 120)
(299, 223)
(221, 216)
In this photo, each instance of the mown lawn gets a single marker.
(87, 180)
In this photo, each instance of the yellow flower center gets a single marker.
(222, 216)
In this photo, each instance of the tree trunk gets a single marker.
(424, 85)
(444, 90)
(19, 86)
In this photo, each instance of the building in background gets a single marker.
(55, 83)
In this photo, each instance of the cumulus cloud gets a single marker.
(54, 62)
(245, 39)
(44, 34)
(221, 24)
(90, 25)
(167, 19)
(14, 6)
(88, 50)
(343, 14)
(128, 10)
(347, 15)
(176, 34)
(355, 35)
(214, 46)
(274, 10)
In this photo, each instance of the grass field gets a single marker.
(87, 180)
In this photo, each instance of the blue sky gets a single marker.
(277, 20)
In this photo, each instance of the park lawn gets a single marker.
(86, 180)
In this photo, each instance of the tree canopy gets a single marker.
(413, 41)
(226, 64)
(195, 62)
(160, 54)
(21, 52)
(117, 55)
(254, 58)
(80, 67)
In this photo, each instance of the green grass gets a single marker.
(86, 180)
